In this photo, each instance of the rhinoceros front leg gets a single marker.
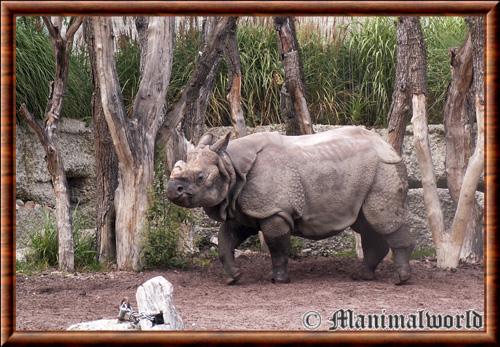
(231, 235)
(277, 236)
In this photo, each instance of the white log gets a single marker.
(154, 296)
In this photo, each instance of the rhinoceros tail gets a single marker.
(386, 153)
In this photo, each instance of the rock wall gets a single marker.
(77, 141)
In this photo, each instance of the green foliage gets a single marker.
(350, 253)
(423, 252)
(43, 243)
(164, 221)
(128, 60)
(349, 76)
(35, 68)
(296, 245)
(440, 34)
(43, 246)
(262, 75)
(366, 71)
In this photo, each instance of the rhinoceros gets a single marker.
(312, 186)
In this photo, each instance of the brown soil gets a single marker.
(53, 301)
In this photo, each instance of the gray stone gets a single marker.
(105, 324)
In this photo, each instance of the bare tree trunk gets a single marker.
(418, 77)
(401, 95)
(106, 164)
(297, 117)
(134, 137)
(47, 134)
(449, 244)
(459, 144)
(141, 24)
(210, 56)
(456, 123)
(232, 55)
(466, 201)
(196, 105)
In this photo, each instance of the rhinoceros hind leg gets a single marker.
(384, 209)
(277, 236)
(374, 246)
(402, 245)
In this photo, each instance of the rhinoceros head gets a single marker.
(205, 179)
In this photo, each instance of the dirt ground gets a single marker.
(54, 301)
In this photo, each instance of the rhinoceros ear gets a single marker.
(206, 140)
(221, 144)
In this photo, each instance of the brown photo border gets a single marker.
(11, 9)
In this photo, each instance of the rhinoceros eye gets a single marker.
(200, 178)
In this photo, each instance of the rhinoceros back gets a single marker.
(316, 182)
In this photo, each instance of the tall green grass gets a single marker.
(440, 34)
(349, 72)
(35, 68)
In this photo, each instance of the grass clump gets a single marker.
(423, 252)
(296, 245)
(163, 227)
(43, 246)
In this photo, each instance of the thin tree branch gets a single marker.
(111, 95)
(74, 24)
(53, 32)
(34, 124)
(214, 49)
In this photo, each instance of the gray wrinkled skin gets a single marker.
(313, 186)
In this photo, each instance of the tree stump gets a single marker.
(155, 296)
